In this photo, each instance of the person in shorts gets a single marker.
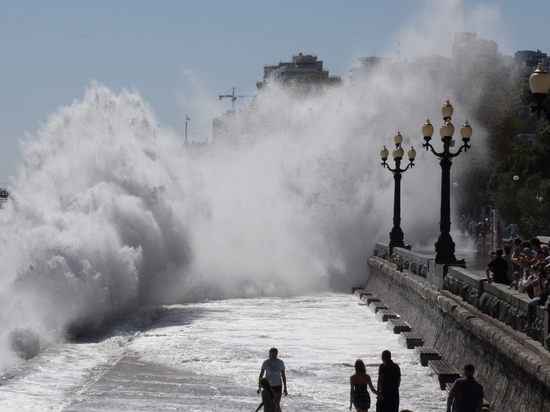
(274, 369)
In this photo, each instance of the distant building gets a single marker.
(526, 62)
(301, 65)
(467, 47)
(529, 58)
(368, 66)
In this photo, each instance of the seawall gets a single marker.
(513, 367)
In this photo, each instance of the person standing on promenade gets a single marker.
(513, 230)
(269, 401)
(389, 379)
(359, 393)
(466, 394)
(498, 230)
(274, 369)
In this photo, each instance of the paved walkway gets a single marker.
(476, 255)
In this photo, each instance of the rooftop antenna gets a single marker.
(186, 120)
(233, 98)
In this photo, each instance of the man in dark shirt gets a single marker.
(499, 267)
(389, 379)
(466, 394)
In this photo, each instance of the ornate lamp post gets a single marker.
(396, 235)
(539, 82)
(445, 247)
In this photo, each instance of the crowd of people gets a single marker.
(479, 231)
(524, 266)
(482, 231)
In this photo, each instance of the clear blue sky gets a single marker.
(180, 55)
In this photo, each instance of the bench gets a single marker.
(427, 353)
(385, 314)
(446, 373)
(368, 299)
(398, 325)
(410, 340)
(360, 292)
(376, 306)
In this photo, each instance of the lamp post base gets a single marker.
(445, 249)
(396, 238)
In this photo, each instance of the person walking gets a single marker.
(359, 393)
(269, 401)
(274, 369)
(513, 230)
(389, 379)
(466, 394)
(500, 237)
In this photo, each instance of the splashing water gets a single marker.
(106, 216)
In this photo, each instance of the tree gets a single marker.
(525, 201)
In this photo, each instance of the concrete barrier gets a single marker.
(513, 367)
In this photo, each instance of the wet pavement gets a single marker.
(476, 255)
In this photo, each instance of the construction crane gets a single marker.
(233, 98)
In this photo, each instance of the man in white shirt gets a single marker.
(274, 369)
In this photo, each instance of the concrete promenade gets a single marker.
(206, 356)
(154, 384)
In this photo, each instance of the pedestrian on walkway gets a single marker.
(498, 230)
(466, 394)
(513, 230)
(389, 379)
(269, 400)
(274, 369)
(360, 381)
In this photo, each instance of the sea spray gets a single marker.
(108, 214)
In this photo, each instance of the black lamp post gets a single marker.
(396, 234)
(539, 82)
(445, 247)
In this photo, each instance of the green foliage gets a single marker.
(471, 190)
(493, 96)
(527, 200)
(489, 93)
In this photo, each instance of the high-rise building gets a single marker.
(301, 65)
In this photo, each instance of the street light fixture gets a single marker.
(396, 234)
(445, 247)
(539, 83)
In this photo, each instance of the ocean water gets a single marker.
(206, 356)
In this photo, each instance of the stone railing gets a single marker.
(506, 305)
(513, 368)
